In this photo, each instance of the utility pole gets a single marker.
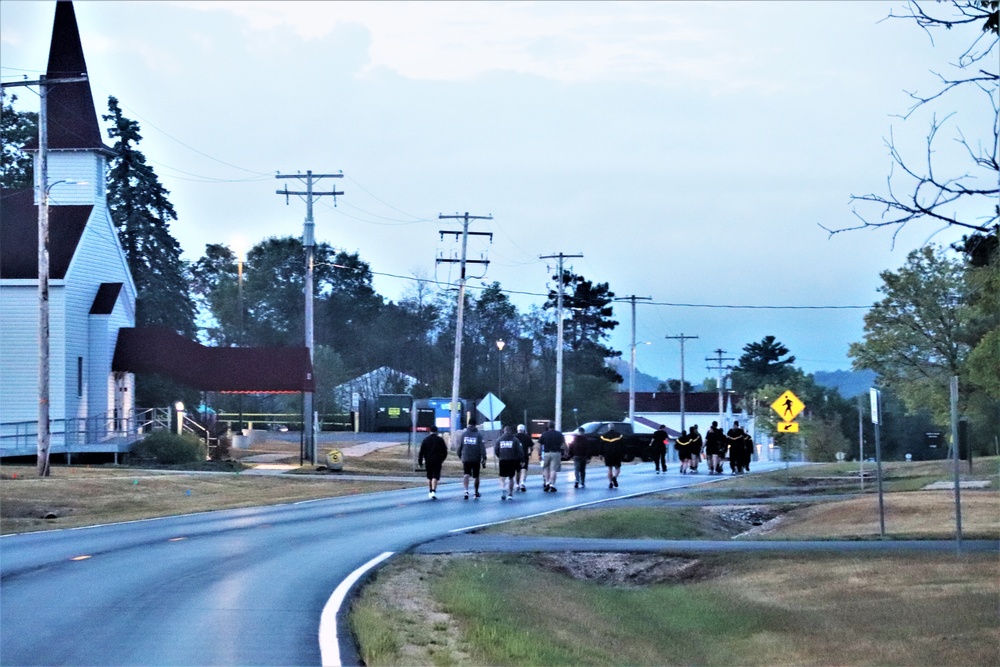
(631, 367)
(718, 359)
(457, 372)
(681, 338)
(42, 195)
(309, 245)
(559, 335)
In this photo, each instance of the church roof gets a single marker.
(19, 235)
(72, 118)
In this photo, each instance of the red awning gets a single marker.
(254, 370)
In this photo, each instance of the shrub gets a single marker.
(221, 450)
(168, 448)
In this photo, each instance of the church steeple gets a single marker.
(72, 117)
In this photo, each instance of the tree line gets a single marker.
(940, 315)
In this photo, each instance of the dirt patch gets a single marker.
(625, 569)
(737, 520)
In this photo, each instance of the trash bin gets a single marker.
(335, 460)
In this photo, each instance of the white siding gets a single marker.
(85, 172)
(19, 359)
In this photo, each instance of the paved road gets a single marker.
(234, 587)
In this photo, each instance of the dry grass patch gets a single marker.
(77, 496)
(916, 514)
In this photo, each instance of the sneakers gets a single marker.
(615, 482)
(431, 495)
(466, 495)
(545, 488)
(611, 485)
(503, 496)
(552, 489)
(477, 495)
(576, 485)
(582, 485)
(523, 488)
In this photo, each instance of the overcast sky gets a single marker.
(689, 151)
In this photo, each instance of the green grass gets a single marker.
(686, 523)
(377, 628)
(570, 622)
(906, 610)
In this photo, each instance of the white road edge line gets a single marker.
(329, 643)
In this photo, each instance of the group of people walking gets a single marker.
(513, 451)
(716, 444)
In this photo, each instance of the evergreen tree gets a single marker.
(761, 364)
(16, 129)
(142, 213)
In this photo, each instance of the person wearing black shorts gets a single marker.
(433, 452)
(507, 450)
(472, 451)
(658, 448)
(612, 450)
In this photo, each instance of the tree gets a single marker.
(762, 363)
(142, 213)
(214, 280)
(952, 184)
(589, 325)
(915, 337)
(273, 286)
(17, 128)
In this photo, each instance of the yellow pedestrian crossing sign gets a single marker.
(788, 406)
(788, 427)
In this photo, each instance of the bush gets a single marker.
(168, 448)
(221, 450)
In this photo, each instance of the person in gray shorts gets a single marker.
(552, 444)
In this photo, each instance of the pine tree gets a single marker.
(142, 213)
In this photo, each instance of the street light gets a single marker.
(500, 345)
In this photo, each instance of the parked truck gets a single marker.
(637, 445)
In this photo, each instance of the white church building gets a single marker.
(91, 292)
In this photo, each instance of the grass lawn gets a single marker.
(731, 609)
(820, 610)
(81, 495)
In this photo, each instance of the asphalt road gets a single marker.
(236, 587)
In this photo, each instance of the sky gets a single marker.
(691, 152)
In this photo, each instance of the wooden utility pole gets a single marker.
(559, 335)
(457, 371)
(631, 366)
(42, 195)
(718, 359)
(309, 244)
(681, 338)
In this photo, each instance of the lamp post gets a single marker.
(500, 345)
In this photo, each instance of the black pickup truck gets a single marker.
(636, 444)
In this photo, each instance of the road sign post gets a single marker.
(876, 401)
